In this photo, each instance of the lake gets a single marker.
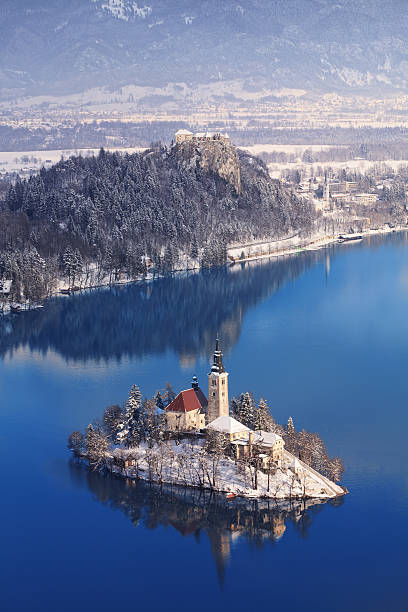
(322, 336)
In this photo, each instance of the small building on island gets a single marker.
(233, 429)
(245, 440)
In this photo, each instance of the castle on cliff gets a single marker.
(186, 136)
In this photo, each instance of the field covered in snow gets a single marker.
(296, 149)
(24, 162)
(276, 170)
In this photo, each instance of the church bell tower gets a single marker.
(217, 387)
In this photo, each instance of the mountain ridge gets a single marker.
(65, 47)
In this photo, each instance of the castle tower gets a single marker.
(217, 387)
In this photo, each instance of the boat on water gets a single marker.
(15, 308)
(350, 238)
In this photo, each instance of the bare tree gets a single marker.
(97, 446)
(76, 443)
(216, 446)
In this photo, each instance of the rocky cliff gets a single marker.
(217, 156)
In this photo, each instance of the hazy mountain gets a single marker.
(65, 46)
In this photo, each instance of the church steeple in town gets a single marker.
(218, 404)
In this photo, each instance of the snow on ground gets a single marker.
(296, 149)
(25, 162)
(276, 170)
(186, 464)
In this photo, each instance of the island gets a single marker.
(193, 441)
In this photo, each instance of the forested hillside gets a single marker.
(123, 214)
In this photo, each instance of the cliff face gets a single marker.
(217, 156)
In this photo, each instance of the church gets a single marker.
(191, 411)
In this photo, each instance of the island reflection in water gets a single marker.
(181, 313)
(193, 511)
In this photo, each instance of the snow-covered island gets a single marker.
(189, 440)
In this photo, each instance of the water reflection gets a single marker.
(181, 313)
(193, 512)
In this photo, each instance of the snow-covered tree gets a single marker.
(159, 401)
(234, 407)
(111, 420)
(215, 446)
(290, 437)
(246, 409)
(96, 446)
(130, 426)
(336, 469)
(262, 417)
(151, 421)
(169, 394)
(76, 443)
(290, 426)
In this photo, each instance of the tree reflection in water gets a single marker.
(181, 313)
(193, 511)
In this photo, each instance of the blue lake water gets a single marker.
(323, 336)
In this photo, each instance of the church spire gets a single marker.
(218, 404)
(217, 366)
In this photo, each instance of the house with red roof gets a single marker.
(187, 412)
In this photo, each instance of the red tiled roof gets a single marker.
(188, 400)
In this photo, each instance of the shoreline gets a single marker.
(291, 478)
(315, 244)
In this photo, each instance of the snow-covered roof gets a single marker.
(227, 424)
(199, 134)
(5, 286)
(183, 133)
(267, 438)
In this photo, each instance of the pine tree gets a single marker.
(246, 410)
(290, 437)
(151, 421)
(111, 420)
(68, 263)
(130, 424)
(290, 427)
(169, 394)
(235, 406)
(262, 418)
(194, 247)
(137, 420)
(159, 401)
